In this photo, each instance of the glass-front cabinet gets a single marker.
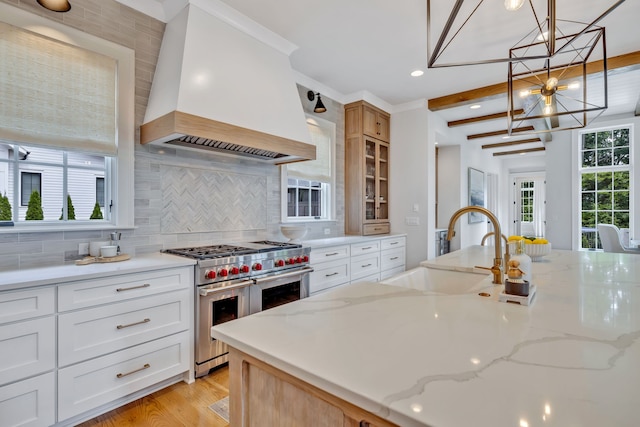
(366, 173)
(376, 180)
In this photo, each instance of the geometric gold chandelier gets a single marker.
(565, 91)
(557, 69)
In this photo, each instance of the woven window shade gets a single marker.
(320, 168)
(56, 94)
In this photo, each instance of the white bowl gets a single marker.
(536, 251)
(108, 251)
(293, 232)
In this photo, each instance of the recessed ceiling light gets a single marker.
(417, 73)
(506, 137)
(522, 154)
(475, 106)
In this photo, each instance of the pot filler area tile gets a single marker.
(200, 200)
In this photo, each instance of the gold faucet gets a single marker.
(507, 255)
(496, 270)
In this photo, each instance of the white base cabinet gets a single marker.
(369, 260)
(29, 403)
(116, 337)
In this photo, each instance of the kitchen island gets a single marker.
(415, 357)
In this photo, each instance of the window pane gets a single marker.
(589, 158)
(588, 141)
(29, 182)
(588, 219)
(621, 156)
(291, 202)
(588, 201)
(605, 139)
(604, 217)
(604, 157)
(605, 179)
(303, 202)
(621, 137)
(621, 200)
(588, 181)
(604, 201)
(100, 191)
(621, 219)
(315, 203)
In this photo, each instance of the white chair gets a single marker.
(610, 239)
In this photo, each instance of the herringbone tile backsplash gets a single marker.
(200, 200)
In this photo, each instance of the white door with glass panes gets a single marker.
(529, 205)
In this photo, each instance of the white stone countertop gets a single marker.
(417, 358)
(345, 240)
(16, 279)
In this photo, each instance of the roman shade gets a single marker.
(320, 168)
(56, 94)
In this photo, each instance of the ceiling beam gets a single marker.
(500, 132)
(469, 96)
(524, 150)
(470, 120)
(506, 144)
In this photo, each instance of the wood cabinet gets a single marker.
(264, 396)
(366, 170)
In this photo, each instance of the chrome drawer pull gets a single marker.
(366, 265)
(394, 258)
(146, 285)
(133, 324)
(364, 249)
(332, 274)
(393, 243)
(332, 254)
(146, 366)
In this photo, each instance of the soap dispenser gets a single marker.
(518, 270)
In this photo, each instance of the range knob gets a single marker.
(223, 272)
(305, 258)
(298, 260)
(210, 274)
(280, 263)
(291, 261)
(244, 269)
(234, 270)
(257, 266)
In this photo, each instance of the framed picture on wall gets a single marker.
(476, 193)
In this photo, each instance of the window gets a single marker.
(62, 176)
(100, 191)
(605, 182)
(29, 182)
(308, 187)
(84, 134)
(526, 201)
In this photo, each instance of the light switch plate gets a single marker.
(412, 220)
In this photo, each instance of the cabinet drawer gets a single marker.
(371, 278)
(27, 348)
(329, 254)
(390, 273)
(393, 243)
(371, 229)
(89, 293)
(89, 333)
(93, 383)
(29, 403)
(368, 247)
(365, 265)
(26, 304)
(392, 258)
(329, 274)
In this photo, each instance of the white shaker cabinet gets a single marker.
(368, 259)
(27, 357)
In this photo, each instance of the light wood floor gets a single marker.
(178, 405)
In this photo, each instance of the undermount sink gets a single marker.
(447, 282)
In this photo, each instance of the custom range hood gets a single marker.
(218, 88)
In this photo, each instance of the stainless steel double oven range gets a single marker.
(233, 281)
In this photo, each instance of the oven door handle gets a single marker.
(208, 291)
(283, 275)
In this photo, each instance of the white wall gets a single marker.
(412, 182)
(453, 192)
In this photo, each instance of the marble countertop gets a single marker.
(345, 240)
(572, 358)
(16, 279)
